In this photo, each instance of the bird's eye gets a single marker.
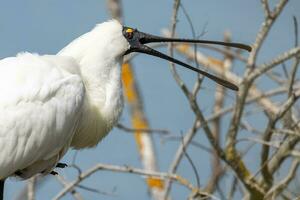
(129, 33)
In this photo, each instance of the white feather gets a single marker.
(39, 104)
(49, 103)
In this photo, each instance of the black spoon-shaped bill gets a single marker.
(137, 40)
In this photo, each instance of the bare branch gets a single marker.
(127, 169)
(215, 65)
(31, 183)
(279, 59)
(283, 151)
(274, 144)
(266, 7)
(264, 30)
(114, 6)
(278, 188)
(267, 176)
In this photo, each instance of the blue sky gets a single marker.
(46, 26)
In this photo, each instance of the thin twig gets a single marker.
(191, 163)
(95, 190)
(73, 192)
(179, 153)
(232, 188)
(288, 117)
(266, 7)
(178, 80)
(23, 193)
(192, 143)
(219, 103)
(199, 80)
(126, 129)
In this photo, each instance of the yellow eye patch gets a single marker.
(130, 30)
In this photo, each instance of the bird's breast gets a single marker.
(102, 108)
(95, 123)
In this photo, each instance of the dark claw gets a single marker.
(61, 165)
(54, 173)
(18, 173)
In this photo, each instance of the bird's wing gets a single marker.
(40, 101)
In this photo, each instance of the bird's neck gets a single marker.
(101, 73)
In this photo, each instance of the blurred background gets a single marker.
(46, 26)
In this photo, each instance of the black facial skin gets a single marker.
(137, 39)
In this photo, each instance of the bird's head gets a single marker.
(131, 40)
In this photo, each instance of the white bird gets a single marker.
(49, 103)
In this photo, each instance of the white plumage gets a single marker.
(49, 103)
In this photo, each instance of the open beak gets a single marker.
(137, 40)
